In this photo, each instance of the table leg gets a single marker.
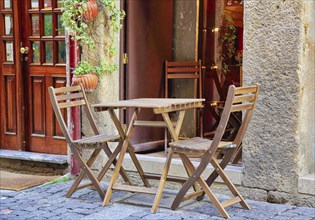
(121, 155)
(130, 151)
(175, 133)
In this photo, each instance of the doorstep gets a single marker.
(154, 164)
(36, 157)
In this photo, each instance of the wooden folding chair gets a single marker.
(67, 97)
(191, 70)
(238, 99)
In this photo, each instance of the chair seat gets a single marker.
(95, 141)
(198, 145)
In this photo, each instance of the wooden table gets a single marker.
(161, 106)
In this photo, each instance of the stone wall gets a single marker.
(273, 57)
(108, 86)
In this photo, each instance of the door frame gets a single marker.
(18, 68)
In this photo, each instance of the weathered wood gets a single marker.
(152, 123)
(230, 202)
(71, 104)
(241, 107)
(244, 98)
(66, 89)
(159, 191)
(136, 189)
(98, 141)
(207, 150)
(154, 103)
(192, 195)
(159, 106)
(70, 96)
(168, 178)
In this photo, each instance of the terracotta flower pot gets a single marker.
(91, 11)
(89, 81)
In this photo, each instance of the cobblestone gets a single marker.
(49, 202)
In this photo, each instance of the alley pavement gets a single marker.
(49, 202)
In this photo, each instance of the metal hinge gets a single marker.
(125, 58)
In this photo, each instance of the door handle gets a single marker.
(24, 50)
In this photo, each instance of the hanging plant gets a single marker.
(77, 16)
(88, 75)
(78, 13)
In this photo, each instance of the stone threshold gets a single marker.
(36, 157)
(306, 184)
(155, 164)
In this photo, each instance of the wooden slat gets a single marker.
(152, 123)
(182, 70)
(169, 178)
(230, 202)
(67, 89)
(183, 76)
(237, 108)
(98, 138)
(136, 189)
(244, 98)
(242, 90)
(178, 107)
(193, 195)
(70, 96)
(181, 63)
(71, 104)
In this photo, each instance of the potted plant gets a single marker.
(77, 14)
(85, 73)
(76, 18)
(88, 74)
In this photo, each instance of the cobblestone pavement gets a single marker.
(49, 202)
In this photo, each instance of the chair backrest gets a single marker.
(68, 97)
(184, 70)
(238, 99)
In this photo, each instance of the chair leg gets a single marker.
(206, 188)
(87, 171)
(159, 191)
(190, 182)
(112, 160)
(226, 159)
(77, 181)
(229, 183)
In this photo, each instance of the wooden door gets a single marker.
(148, 36)
(34, 61)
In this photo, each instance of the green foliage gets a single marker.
(72, 20)
(84, 68)
(228, 40)
(58, 180)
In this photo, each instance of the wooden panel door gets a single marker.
(11, 97)
(148, 35)
(40, 53)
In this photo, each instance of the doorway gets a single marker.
(148, 36)
(221, 48)
(33, 57)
